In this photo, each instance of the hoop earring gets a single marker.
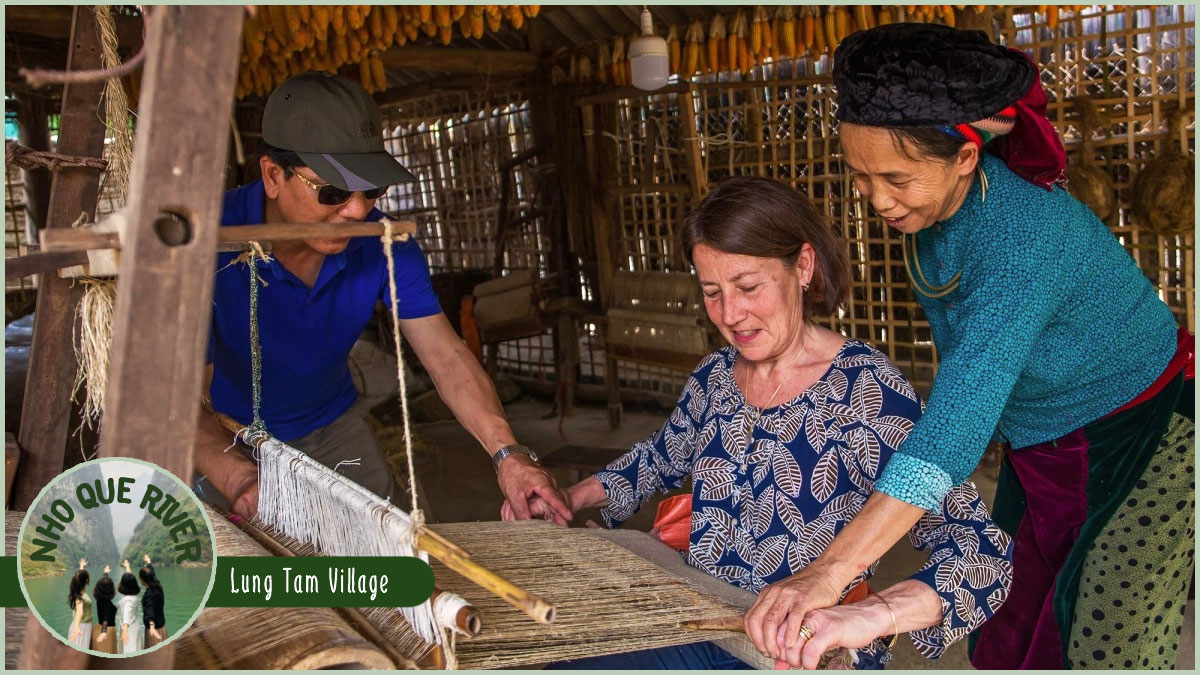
(983, 184)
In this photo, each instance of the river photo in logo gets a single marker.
(116, 557)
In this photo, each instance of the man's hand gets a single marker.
(522, 479)
(773, 622)
(243, 492)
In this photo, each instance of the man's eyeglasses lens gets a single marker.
(335, 196)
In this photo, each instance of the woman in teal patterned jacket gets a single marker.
(1050, 338)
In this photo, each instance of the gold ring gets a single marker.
(806, 632)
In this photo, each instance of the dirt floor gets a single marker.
(460, 485)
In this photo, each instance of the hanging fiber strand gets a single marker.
(93, 343)
(116, 107)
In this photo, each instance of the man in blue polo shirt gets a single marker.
(325, 161)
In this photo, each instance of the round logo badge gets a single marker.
(116, 557)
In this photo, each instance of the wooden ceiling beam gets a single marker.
(464, 82)
(54, 21)
(453, 60)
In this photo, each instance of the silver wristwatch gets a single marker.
(507, 450)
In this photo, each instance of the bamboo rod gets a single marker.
(87, 238)
(460, 561)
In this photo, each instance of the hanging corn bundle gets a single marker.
(280, 41)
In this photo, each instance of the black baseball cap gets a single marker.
(335, 128)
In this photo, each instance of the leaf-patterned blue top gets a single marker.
(771, 490)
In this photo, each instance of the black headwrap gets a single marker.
(929, 75)
(925, 75)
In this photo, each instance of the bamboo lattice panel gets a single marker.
(456, 144)
(1136, 64)
(780, 123)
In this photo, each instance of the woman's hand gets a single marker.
(107, 569)
(125, 635)
(146, 558)
(100, 638)
(82, 563)
(126, 564)
(155, 634)
(74, 633)
(854, 625)
(773, 622)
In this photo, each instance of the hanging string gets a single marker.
(251, 258)
(391, 268)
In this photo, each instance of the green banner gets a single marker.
(349, 581)
(10, 590)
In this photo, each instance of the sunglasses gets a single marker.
(330, 195)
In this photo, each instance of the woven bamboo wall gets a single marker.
(1136, 64)
(455, 144)
(780, 123)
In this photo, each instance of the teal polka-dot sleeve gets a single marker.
(1012, 266)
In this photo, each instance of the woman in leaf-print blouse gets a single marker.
(783, 434)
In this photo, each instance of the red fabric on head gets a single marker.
(1033, 149)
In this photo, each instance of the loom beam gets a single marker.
(455, 558)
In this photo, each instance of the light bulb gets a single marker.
(648, 57)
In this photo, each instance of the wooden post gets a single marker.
(160, 326)
(46, 409)
(33, 131)
(697, 177)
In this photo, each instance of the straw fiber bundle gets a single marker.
(270, 638)
(609, 599)
(1164, 192)
(1087, 182)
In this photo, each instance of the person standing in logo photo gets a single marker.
(127, 612)
(79, 601)
(104, 633)
(153, 617)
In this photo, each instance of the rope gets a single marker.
(251, 258)
(37, 77)
(391, 267)
(27, 158)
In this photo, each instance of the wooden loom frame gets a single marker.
(168, 245)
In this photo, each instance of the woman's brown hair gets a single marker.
(765, 218)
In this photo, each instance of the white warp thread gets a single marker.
(309, 502)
